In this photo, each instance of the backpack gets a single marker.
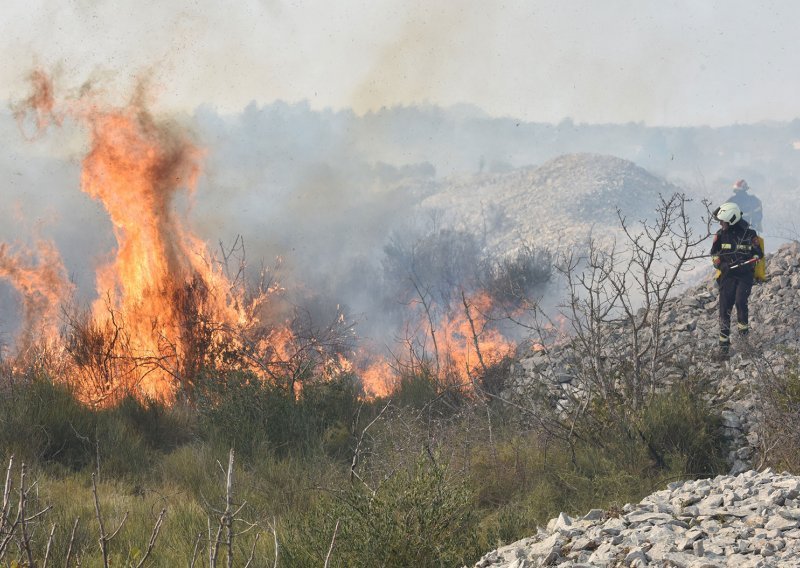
(761, 266)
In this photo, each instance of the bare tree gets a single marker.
(225, 531)
(104, 537)
(616, 299)
(17, 528)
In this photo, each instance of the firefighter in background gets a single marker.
(734, 252)
(749, 204)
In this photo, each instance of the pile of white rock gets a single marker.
(748, 520)
(558, 204)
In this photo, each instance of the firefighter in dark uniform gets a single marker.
(749, 204)
(734, 252)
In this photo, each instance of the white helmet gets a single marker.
(729, 213)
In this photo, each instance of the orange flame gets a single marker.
(377, 378)
(464, 329)
(466, 346)
(135, 168)
(163, 303)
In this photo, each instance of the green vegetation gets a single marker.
(779, 437)
(436, 480)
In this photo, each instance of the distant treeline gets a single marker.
(463, 139)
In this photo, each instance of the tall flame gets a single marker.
(162, 302)
(135, 168)
(471, 345)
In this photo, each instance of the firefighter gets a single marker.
(734, 253)
(749, 204)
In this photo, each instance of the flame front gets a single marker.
(165, 310)
(471, 345)
(455, 350)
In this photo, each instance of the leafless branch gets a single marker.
(153, 537)
(71, 542)
(333, 540)
(252, 551)
(104, 538)
(196, 549)
(49, 544)
(356, 452)
(23, 497)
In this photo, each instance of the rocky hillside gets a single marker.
(743, 519)
(563, 201)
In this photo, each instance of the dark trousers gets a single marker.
(733, 291)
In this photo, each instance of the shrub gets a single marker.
(416, 390)
(511, 279)
(683, 433)
(418, 517)
(133, 435)
(441, 261)
(780, 409)
(161, 427)
(239, 410)
(42, 422)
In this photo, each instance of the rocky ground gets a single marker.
(747, 518)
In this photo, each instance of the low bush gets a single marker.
(779, 439)
(675, 432)
(514, 278)
(684, 434)
(420, 516)
(499, 480)
(43, 423)
(254, 417)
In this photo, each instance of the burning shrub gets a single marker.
(511, 280)
(168, 313)
(460, 297)
(40, 279)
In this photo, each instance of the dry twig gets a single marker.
(333, 540)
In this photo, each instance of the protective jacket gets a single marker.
(735, 245)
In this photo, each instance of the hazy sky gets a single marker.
(679, 62)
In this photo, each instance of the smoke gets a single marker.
(670, 63)
(320, 193)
